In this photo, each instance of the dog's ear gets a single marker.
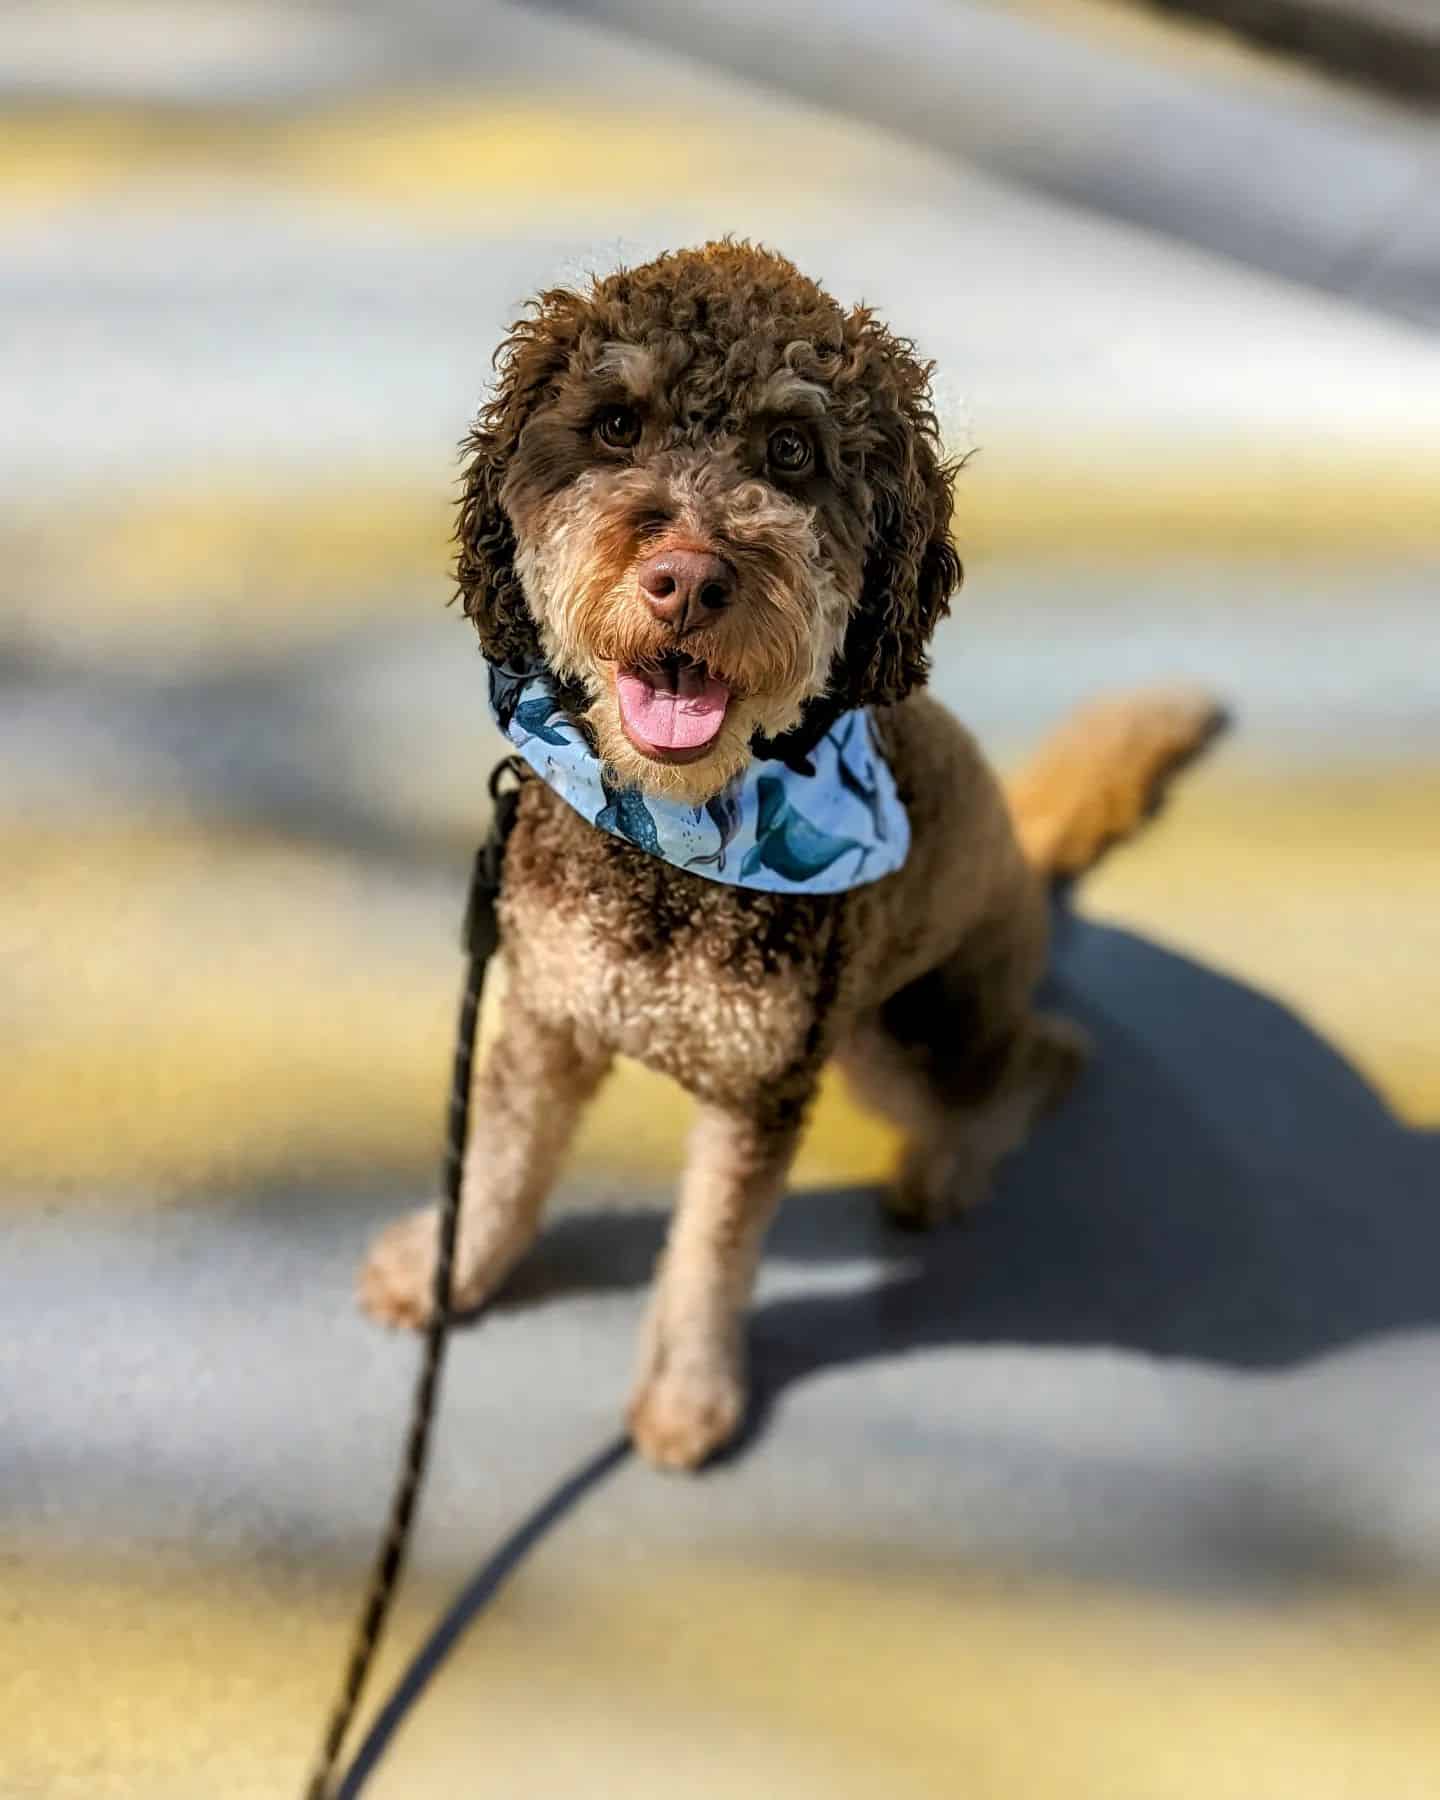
(527, 364)
(911, 566)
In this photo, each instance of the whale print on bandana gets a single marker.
(772, 828)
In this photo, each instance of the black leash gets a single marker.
(469, 1603)
(482, 935)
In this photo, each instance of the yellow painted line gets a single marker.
(919, 1682)
(170, 1676)
(1320, 890)
(238, 573)
(184, 1010)
(433, 151)
(51, 156)
(784, 1673)
(230, 573)
(1123, 498)
(567, 152)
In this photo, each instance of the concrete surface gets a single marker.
(1128, 1491)
(1173, 128)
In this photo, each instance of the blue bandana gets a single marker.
(770, 828)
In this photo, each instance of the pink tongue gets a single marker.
(672, 709)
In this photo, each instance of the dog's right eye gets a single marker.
(618, 426)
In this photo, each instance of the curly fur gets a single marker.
(705, 340)
(920, 984)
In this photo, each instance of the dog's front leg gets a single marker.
(690, 1396)
(526, 1098)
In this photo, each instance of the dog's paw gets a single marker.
(932, 1187)
(1059, 1053)
(397, 1278)
(683, 1415)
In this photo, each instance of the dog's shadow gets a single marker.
(1221, 1186)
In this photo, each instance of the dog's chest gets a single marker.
(702, 1023)
(715, 986)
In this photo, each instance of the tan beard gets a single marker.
(774, 649)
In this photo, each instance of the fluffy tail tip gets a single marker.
(1105, 771)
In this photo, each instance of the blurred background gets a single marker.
(1182, 283)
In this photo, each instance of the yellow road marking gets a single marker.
(248, 574)
(915, 1682)
(1319, 890)
(1126, 499)
(233, 574)
(186, 1009)
(431, 151)
(787, 1672)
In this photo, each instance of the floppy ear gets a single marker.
(487, 584)
(911, 567)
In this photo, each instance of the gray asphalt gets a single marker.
(1281, 170)
(1194, 1341)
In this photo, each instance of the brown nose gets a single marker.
(686, 589)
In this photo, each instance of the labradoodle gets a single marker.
(708, 507)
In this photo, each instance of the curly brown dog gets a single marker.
(707, 466)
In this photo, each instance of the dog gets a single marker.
(712, 506)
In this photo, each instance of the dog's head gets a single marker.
(709, 499)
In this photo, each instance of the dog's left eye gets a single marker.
(789, 450)
(618, 426)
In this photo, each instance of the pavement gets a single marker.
(1126, 1491)
(1172, 125)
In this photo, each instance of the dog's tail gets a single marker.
(1104, 772)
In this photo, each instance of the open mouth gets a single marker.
(672, 710)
